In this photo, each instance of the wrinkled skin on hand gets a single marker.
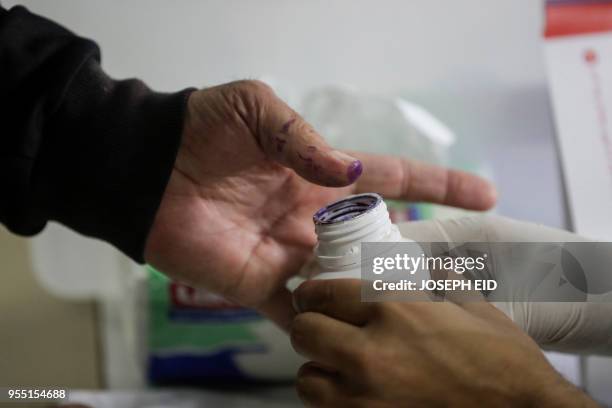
(417, 354)
(236, 216)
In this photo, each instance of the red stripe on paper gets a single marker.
(572, 19)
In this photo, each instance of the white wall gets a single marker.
(376, 45)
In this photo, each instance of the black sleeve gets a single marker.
(76, 146)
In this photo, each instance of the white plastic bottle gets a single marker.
(342, 227)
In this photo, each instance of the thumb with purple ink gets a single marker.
(291, 141)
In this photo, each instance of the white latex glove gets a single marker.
(578, 327)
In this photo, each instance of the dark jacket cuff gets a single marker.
(107, 156)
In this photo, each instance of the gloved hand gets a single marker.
(579, 327)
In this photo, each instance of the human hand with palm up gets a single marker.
(236, 216)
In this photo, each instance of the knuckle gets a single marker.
(250, 98)
(400, 176)
(253, 87)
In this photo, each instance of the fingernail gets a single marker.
(354, 171)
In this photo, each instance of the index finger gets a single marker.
(400, 178)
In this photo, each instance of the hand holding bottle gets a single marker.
(418, 353)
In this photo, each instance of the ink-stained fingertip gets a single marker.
(354, 171)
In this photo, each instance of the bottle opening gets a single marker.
(342, 227)
(347, 209)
